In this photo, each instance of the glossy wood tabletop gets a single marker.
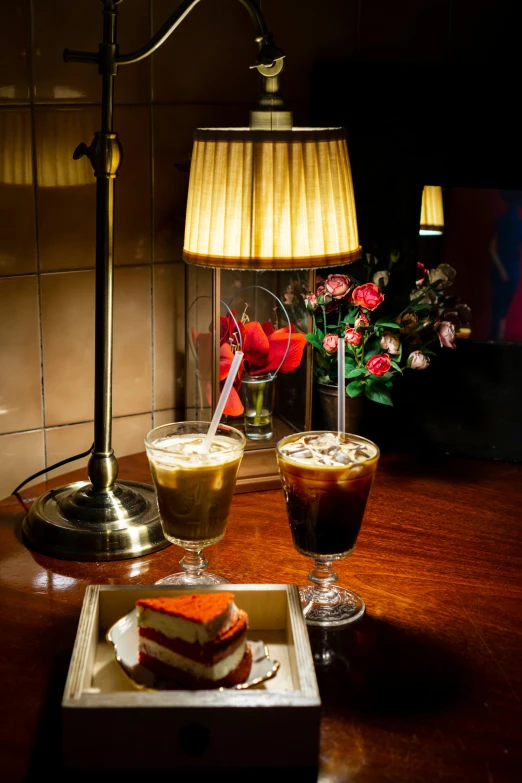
(426, 687)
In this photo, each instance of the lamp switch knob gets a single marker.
(81, 150)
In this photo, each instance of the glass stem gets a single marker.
(193, 563)
(323, 578)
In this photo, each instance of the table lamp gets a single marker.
(432, 211)
(278, 197)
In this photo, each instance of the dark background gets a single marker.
(452, 123)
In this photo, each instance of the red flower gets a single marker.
(330, 343)
(265, 347)
(337, 285)
(368, 296)
(361, 320)
(203, 347)
(379, 364)
(352, 336)
(233, 406)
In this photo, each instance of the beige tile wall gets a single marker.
(200, 77)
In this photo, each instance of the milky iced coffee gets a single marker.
(326, 478)
(194, 488)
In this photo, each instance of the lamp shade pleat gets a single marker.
(270, 199)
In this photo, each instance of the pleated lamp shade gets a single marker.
(432, 212)
(270, 199)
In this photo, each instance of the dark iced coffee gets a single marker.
(326, 480)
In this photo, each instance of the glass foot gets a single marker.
(193, 580)
(338, 607)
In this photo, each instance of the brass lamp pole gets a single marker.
(105, 519)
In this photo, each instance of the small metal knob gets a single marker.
(81, 150)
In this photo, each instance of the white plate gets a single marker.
(124, 638)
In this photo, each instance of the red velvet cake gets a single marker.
(195, 641)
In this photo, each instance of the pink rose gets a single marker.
(446, 332)
(418, 360)
(361, 320)
(330, 343)
(367, 296)
(406, 322)
(379, 365)
(390, 342)
(323, 296)
(337, 285)
(352, 336)
(310, 301)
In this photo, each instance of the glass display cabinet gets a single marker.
(262, 313)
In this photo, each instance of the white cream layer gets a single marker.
(187, 452)
(216, 672)
(179, 628)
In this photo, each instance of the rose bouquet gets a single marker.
(381, 343)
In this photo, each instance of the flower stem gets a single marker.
(259, 402)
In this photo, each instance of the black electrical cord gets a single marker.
(52, 467)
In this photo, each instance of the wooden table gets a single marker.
(426, 688)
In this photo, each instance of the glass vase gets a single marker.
(257, 396)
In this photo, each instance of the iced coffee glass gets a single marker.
(194, 490)
(327, 477)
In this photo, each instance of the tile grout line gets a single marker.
(85, 269)
(44, 273)
(54, 427)
(37, 242)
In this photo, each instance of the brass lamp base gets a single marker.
(75, 523)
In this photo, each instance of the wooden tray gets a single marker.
(107, 723)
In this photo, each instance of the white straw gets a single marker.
(341, 423)
(231, 377)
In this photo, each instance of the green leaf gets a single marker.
(378, 392)
(424, 306)
(356, 373)
(313, 340)
(354, 389)
(350, 317)
(388, 324)
(319, 334)
(373, 346)
(322, 361)
(396, 367)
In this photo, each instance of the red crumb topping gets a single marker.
(201, 608)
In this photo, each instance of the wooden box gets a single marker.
(107, 723)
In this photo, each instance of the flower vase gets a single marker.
(257, 396)
(354, 409)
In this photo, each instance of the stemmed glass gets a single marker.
(194, 490)
(325, 503)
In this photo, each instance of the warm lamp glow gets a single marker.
(58, 135)
(432, 212)
(270, 199)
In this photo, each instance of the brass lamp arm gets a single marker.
(109, 59)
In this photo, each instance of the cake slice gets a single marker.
(194, 641)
